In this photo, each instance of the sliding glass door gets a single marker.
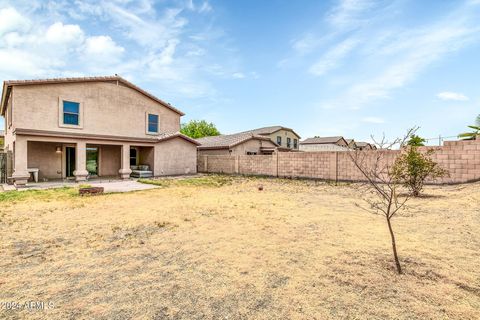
(92, 161)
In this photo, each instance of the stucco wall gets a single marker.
(174, 157)
(285, 134)
(460, 158)
(224, 152)
(109, 160)
(108, 109)
(42, 155)
(322, 147)
(252, 145)
(146, 157)
(8, 140)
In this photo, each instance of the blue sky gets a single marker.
(344, 67)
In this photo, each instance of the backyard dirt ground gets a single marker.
(218, 248)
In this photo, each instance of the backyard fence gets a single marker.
(460, 158)
(6, 166)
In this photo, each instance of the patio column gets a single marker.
(20, 174)
(125, 162)
(81, 172)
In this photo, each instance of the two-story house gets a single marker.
(94, 126)
(284, 138)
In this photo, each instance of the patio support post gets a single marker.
(81, 172)
(125, 163)
(20, 174)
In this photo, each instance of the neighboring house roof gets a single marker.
(7, 85)
(362, 144)
(269, 130)
(170, 135)
(228, 141)
(323, 140)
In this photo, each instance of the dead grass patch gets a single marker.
(217, 247)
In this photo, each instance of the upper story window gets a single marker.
(152, 123)
(71, 113)
(295, 143)
(289, 142)
(279, 140)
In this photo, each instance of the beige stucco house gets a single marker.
(324, 144)
(364, 146)
(351, 143)
(96, 126)
(236, 144)
(283, 137)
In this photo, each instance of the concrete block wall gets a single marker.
(460, 158)
(265, 165)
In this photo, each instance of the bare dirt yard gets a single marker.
(218, 248)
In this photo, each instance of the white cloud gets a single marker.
(135, 38)
(305, 44)
(374, 120)
(61, 34)
(102, 49)
(11, 20)
(455, 96)
(400, 56)
(238, 75)
(349, 12)
(333, 57)
(206, 7)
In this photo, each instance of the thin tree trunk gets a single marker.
(394, 247)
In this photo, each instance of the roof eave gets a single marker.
(91, 79)
(180, 135)
(5, 95)
(200, 147)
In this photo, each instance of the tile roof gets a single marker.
(125, 82)
(170, 135)
(268, 130)
(322, 140)
(228, 141)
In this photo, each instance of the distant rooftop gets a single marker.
(227, 141)
(322, 140)
(269, 130)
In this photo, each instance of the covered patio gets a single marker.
(52, 159)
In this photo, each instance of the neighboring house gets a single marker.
(94, 126)
(281, 136)
(324, 144)
(236, 144)
(351, 144)
(365, 146)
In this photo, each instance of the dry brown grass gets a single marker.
(298, 250)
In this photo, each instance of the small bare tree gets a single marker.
(384, 189)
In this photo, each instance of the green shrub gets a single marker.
(412, 168)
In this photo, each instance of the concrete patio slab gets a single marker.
(108, 185)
